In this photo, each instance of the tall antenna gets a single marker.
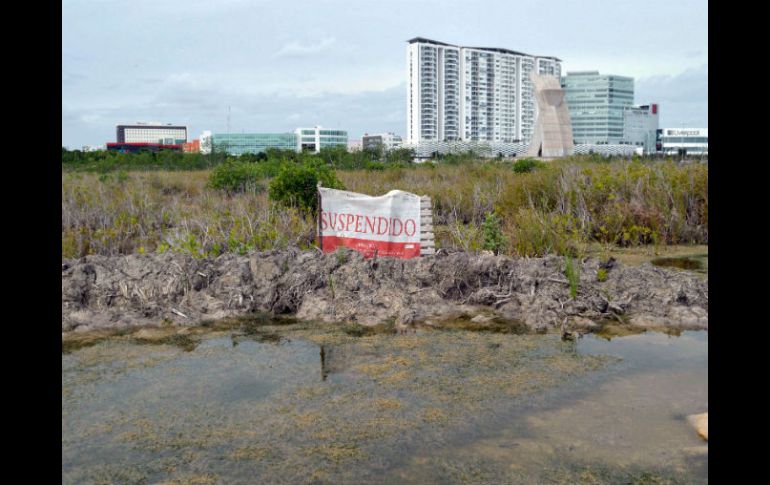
(228, 120)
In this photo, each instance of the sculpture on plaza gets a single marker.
(552, 136)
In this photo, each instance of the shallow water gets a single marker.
(431, 407)
(621, 425)
(698, 263)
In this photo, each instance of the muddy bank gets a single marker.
(101, 292)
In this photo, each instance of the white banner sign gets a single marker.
(388, 225)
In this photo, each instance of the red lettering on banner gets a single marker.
(369, 224)
(400, 227)
(406, 227)
(380, 230)
(364, 224)
(323, 221)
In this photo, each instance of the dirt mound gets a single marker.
(146, 289)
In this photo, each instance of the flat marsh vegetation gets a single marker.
(575, 206)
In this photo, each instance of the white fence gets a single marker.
(425, 149)
(606, 150)
(427, 238)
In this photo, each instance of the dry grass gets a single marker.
(561, 208)
(434, 415)
(162, 211)
(636, 255)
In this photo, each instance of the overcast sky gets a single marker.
(341, 64)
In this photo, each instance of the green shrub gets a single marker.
(572, 272)
(295, 185)
(106, 177)
(493, 234)
(108, 160)
(465, 236)
(526, 165)
(530, 232)
(601, 275)
(236, 176)
(342, 256)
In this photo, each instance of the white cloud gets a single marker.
(295, 49)
(346, 82)
(91, 118)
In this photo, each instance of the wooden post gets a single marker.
(427, 239)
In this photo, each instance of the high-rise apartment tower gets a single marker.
(471, 93)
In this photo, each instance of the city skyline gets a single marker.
(297, 65)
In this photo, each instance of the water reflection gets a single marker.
(431, 407)
(324, 370)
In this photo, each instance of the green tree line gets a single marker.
(335, 157)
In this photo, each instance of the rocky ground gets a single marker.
(101, 292)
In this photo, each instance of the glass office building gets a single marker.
(240, 143)
(316, 138)
(596, 105)
(312, 139)
(330, 138)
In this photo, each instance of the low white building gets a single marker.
(684, 141)
(205, 139)
(640, 127)
(389, 141)
(315, 138)
(152, 132)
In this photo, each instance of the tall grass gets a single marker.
(557, 208)
(172, 211)
(572, 272)
(554, 209)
